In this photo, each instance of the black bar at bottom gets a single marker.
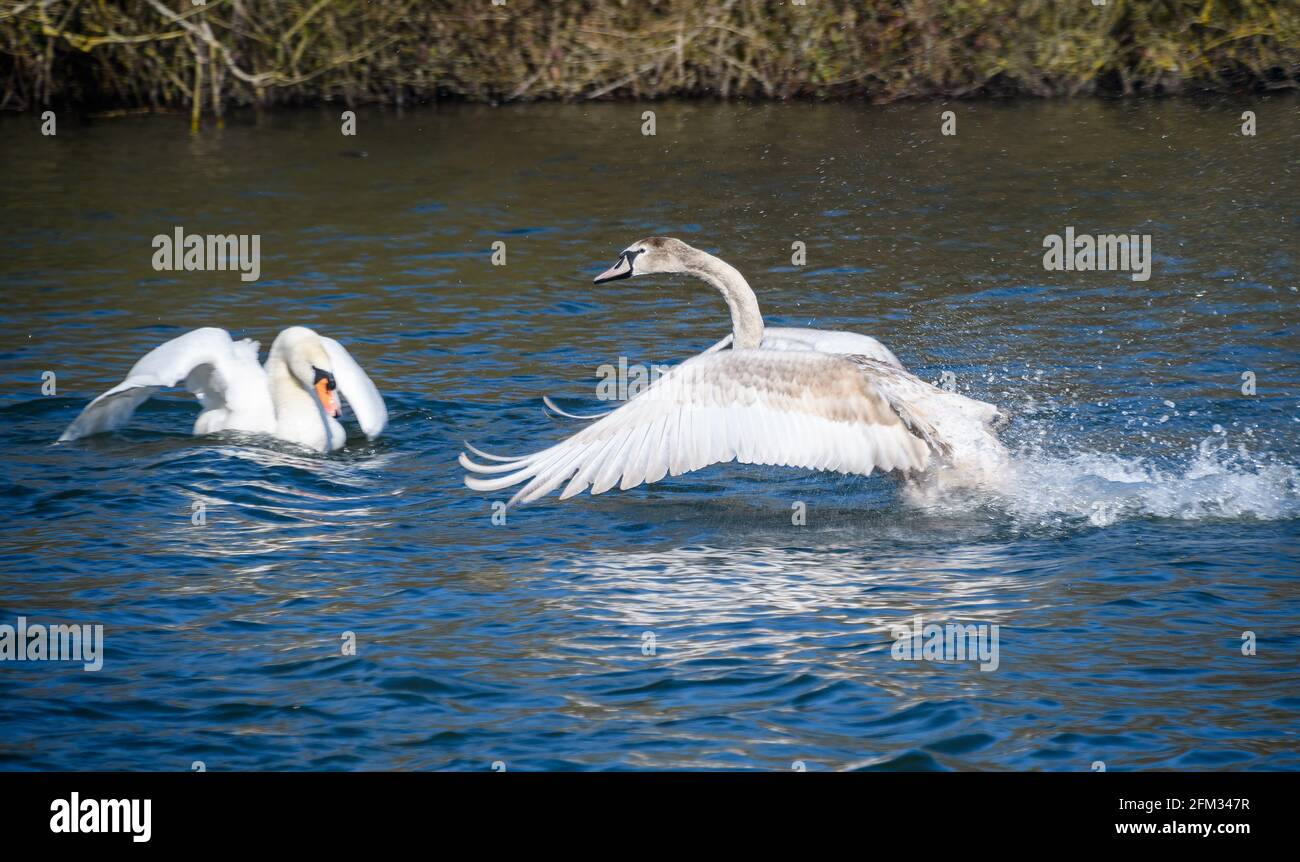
(212, 811)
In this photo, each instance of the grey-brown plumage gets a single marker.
(798, 398)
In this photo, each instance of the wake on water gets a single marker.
(1219, 480)
(1050, 474)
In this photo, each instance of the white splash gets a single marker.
(1217, 481)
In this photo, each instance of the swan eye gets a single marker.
(323, 375)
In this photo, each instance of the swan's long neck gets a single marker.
(287, 393)
(299, 416)
(746, 320)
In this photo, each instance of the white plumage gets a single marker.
(821, 341)
(752, 406)
(820, 400)
(291, 397)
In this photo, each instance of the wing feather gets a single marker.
(796, 408)
(358, 389)
(197, 358)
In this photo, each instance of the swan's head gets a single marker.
(304, 355)
(652, 254)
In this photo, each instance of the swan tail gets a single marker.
(916, 422)
(247, 349)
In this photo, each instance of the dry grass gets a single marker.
(173, 54)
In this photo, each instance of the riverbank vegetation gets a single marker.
(173, 54)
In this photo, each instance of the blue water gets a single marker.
(1150, 521)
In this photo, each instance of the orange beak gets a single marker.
(328, 399)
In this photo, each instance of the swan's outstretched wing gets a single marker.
(796, 408)
(357, 389)
(560, 411)
(206, 360)
(786, 338)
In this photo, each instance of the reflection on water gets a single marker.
(1149, 520)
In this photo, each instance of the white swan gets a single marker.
(817, 399)
(293, 397)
